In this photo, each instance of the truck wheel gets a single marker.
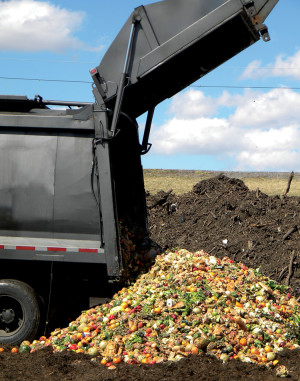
(19, 312)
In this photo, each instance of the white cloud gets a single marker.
(275, 149)
(276, 107)
(194, 136)
(192, 104)
(253, 70)
(266, 140)
(32, 25)
(279, 160)
(282, 67)
(262, 131)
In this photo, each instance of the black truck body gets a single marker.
(67, 176)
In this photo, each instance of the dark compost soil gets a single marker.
(224, 218)
(65, 366)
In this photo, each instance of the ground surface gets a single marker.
(45, 366)
(260, 231)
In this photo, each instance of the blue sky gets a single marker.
(238, 117)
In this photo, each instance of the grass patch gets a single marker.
(273, 186)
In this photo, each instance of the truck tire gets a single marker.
(19, 312)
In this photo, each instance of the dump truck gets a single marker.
(70, 171)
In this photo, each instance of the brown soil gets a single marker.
(45, 366)
(260, 230)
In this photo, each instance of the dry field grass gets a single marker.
(182, 181)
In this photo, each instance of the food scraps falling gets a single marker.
(188, 303)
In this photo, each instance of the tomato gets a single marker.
(1, 349)
(243, 341)
(103, 361)
(14, 350)
(254, 351)
(117, 360)
(92, 326)
(131, 361)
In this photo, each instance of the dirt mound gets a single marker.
(220, 184)
(224, 218)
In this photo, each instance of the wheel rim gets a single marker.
(11, 315)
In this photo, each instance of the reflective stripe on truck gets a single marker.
(25, 248)
(51, 248)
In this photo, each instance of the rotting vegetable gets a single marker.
(188, 303)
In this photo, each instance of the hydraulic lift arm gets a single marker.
(165, 46)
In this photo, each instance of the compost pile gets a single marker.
(223, 217)
(213, 310)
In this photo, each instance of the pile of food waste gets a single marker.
(188, 303)
(138, 253)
